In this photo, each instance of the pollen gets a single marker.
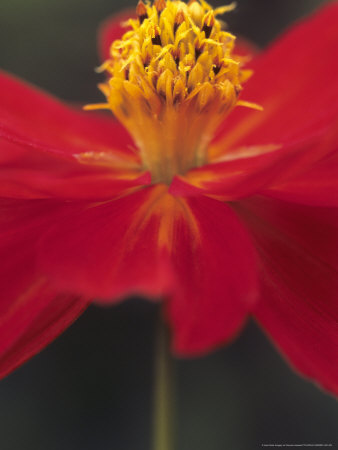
(172, 78)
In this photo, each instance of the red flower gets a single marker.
(247, 224)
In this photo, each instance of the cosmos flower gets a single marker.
(219, 209)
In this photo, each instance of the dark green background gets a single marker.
(92, 388)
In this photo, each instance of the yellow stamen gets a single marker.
(208, 22)
(160, 5)
(96, 106)
(179, 19)
(250, 105)
(172, 80)
(141, 11)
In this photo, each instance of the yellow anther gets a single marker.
(156, 35)
(160, 5)
(167, 35)
(199, 45)
(209, 19)
(179, 91)
(224, 9)
(205, 95)
(196, 12)
(249, 105)
(208, 22)
(141, 11)
(162, 83)
(196, 76)
(179, 19)
(172, 80)
(104, 89)
(205, 5)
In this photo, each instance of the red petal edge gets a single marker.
(298, 246)
(154, 244)
(50, 150)
(317, 186)
(216, 270)
(32, 312)
(299, 96)
(35, 323)
(29, 115)
(108, 250)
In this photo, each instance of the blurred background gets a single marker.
(92, 388)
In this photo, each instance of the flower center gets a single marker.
(172, 80)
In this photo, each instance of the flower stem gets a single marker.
(164, 392)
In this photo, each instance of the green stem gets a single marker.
(164, 392)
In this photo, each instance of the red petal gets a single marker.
(39, 174)
(246, 172)
(34, 321)
(295, 81)
(317, 186)
(53, 151)
(28, 115)
(154, 244)
(216, 269)
(112, 29)
(21, 225)
(108, 249)
(41, 120)
(299, 246)
(32, 313)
